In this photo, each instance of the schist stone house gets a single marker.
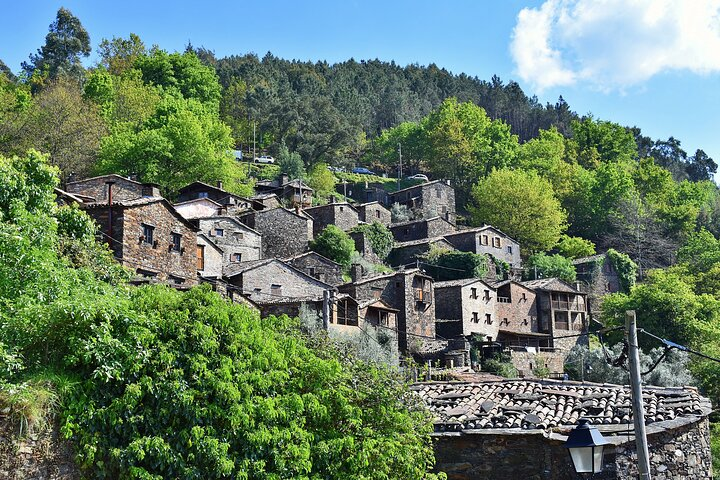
(410, 292)
(317, 266)
(374, 212)
(210, 258)
(295, 192)
(465, 307)
(150, 237)
(488, 240)
(276, 287)
(233, 204)
(238, 242)
(597, 277)
(421, 229)
(364, 192)
(432, 199)
(284, 232)
(518, 429)
(342, 215)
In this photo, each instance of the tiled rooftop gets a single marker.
(546, 404)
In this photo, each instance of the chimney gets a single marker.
(356, 272)
(219, 184)
(284, 178)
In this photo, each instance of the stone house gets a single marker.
(465, 307)
(233, 204)
(294, 192)
(199, 208)
(122, 189)
(420, 229)
(561, 310)
(317, 266)
(374, 212)
(410, 292)
(238, 242)
(431, 199)
(210, 257)
(284, 232)
(518, 429)
(263, 201)
(342, 215)
(149, 236)
(364, 192)
(596, 276)
(406, 253)
(488, 240)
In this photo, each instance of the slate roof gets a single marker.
(422, 241)
(591, 258)
(138, 202)
(551, 284)
(547, 404)
(465, 231)
(459, 283)
(418, 186)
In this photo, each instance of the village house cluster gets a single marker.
(256, 251)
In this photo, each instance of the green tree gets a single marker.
(549, 156)
(321, 180)
(119, 54)
(334, 244)
(601, 141)
(575, 247)
(65, 45)
(453, 265)
(522, 205)
(541, 265)
(291, 163)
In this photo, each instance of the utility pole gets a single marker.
(254, 154)
(641, 445)
(399, 169)
(326, 310)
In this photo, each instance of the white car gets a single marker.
(419, 176)
(264, 159)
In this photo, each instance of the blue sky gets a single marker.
(650, 63)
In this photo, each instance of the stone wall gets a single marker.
(679, 449)
(284, 233)
(374, 212)
(37, 456)
(236, 239)
(319, 267)
(363, 246)
(516, 308)
(429, 199)
(419, 229)
(342, 215)
(158, 258)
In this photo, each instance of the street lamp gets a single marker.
(586, 445)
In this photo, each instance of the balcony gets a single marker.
(422, 296)
(503, 300)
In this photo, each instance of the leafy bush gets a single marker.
(500, 367)
(334, 244)
(625, 267)
(453, 265)
(400, 213)
(542, 265)
(575, 247)
(380, 237)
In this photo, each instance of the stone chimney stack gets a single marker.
(219, 184)
(356, 271)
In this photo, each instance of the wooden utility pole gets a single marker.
(400, 168)
(641, 445)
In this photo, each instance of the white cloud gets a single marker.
(612, 44)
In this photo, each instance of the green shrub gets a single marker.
(334, 244)
(453, 265)
(380, 237)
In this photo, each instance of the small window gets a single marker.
(239, 235)
(311, 271)
(406, 231)
(438, 193)
(496, 242)
(488, 319)
(376, 292)
(237, 257)
(176, 280)
(377, 213)
(219, 232)
(146, 273)
(473, 293)
(148, 231)
(275, 289)
(484, 239)
(475, 317)
(509, 249)
(342, 209)
(523, 297)
(397, 284)
(176, 242)
(486, 295)
(203, 195)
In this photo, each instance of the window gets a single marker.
(239, 235)
(484, 239)
(509, 249)
(475, 317)
(406, 231)
(176, 242)
(376, 292)
(342, 209)
(473, 293)
(523, 297)
(176, 280)
(202, 194)
(496, 242)
(486, 295)
(377, 213)
(237, 257)
(275, 289)
(147, 235)
(146, 273)
(201, 257)
(397, 284)
(311, 272)
(438, 193)
(384, 318)
(219, 232)
(488, 319)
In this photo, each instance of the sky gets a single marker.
(654, 64)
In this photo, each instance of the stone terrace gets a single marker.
(460, 406)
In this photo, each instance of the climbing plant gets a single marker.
(380, 237)
(625, 267)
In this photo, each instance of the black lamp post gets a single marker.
(586, 445)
